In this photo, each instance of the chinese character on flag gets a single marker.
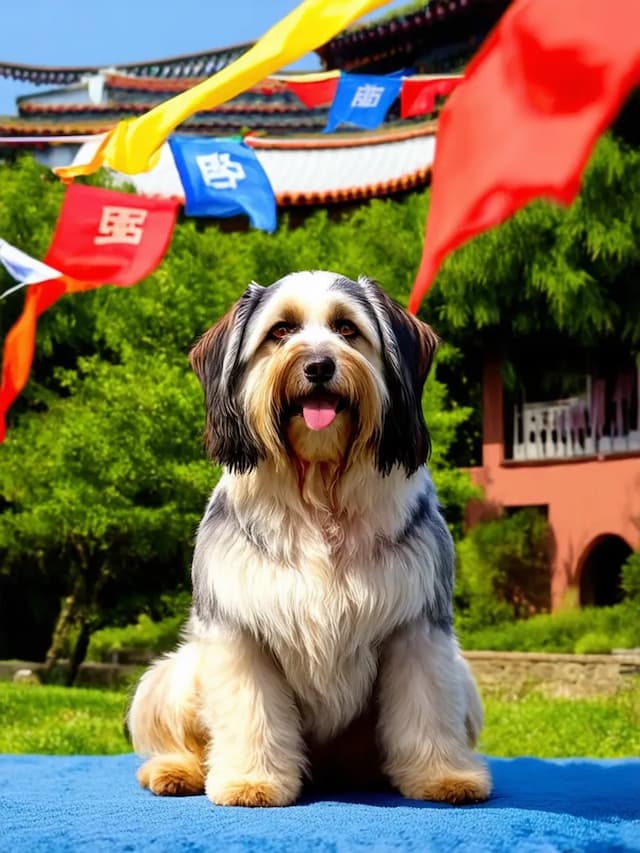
(363, 100)
(102, 237)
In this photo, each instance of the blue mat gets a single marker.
(94, 804)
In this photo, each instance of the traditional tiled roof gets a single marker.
(319, 170)
(210, 123)
(188, 65)
(269, 105)
(347, 168)
(17, 126)
(440, 37)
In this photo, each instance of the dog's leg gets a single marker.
(429, 713)
(164, 724)
(256, 753)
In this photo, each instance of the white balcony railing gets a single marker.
(591, 423)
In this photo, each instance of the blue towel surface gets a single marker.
(55, 803)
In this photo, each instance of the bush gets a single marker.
(591, 630)
(503, 570)
(631, 578)
(146, 636)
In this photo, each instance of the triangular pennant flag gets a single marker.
(418, 96)
(314, 90)
(23, 268)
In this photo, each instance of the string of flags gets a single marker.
(103, 236)
(525, 74)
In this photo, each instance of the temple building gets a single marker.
(435, 38)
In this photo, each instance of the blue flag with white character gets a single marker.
(363, 100)
(223, 178)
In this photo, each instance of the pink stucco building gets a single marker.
(577, 458)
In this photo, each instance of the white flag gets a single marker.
(24, 268)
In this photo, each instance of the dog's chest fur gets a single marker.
(322, 609)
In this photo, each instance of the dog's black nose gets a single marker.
(320, 370)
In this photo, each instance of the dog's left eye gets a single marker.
(346, 329)
(280, 331)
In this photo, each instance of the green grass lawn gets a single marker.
(66, 721)
(61, 720)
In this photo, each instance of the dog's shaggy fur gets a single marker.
(320, 644)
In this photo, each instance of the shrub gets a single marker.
(503, 570)
(146, 635)
(591, 630)
(631, 578)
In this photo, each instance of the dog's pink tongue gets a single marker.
(318, 414)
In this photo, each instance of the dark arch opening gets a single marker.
(601, 576)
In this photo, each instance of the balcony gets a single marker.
(604, 419)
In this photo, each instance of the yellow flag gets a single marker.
(132, 145)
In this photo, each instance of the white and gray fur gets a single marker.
(322, 589)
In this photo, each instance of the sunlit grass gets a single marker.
(61, 720)
(599, 727)
(65, 721)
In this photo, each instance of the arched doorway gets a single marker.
(602, 572)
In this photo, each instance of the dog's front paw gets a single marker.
(172, 775)
(250, 792)
(472, 785)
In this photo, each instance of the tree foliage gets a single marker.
(102, 475)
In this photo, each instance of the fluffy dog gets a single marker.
(320, 642)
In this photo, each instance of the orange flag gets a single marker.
(522, 124)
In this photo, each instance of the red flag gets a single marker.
(101, 237)
(317, 93)
(418, 96)
(544, 86)
(106, 236)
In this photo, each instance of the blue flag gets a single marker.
(362, 99)
(223, 178)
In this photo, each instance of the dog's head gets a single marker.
(319, 367)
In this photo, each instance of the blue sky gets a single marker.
(77, 32)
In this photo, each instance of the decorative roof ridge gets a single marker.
(45, 74)
(344, 140)
(91, 127)
(117, 80)
(427, 11)
(143, 107)
(345, 49)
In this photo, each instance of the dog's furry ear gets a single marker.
(408, 349)
(215, 359)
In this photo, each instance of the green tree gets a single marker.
(104, 490)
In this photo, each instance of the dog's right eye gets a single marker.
(280, 331)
